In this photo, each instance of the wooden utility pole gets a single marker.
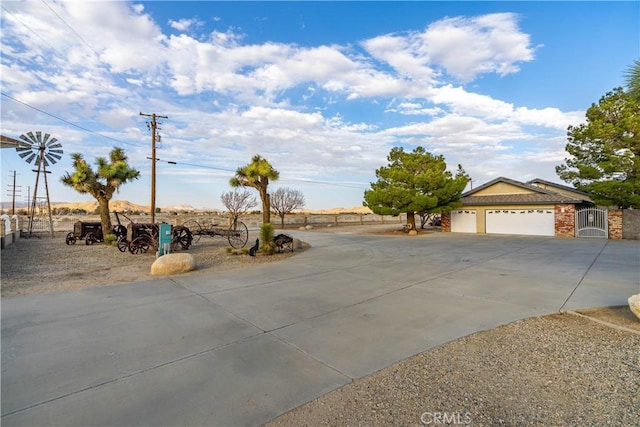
(154, 126)
(14, 188)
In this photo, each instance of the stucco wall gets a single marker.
(631, 224)
(502, 188)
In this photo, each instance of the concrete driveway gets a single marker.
(242, 347)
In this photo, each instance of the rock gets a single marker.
(302, 228)
(413, 232)
(309, 227)
(170, 264)
(634, 304)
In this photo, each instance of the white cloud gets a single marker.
(185, 24)
(467, 47)
(464, 47)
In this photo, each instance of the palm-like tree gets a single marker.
(632, 77)
(103, 182)
(257, 175)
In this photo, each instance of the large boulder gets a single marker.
(170, 264)
(634, 304)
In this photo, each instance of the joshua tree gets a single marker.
(103, 182)
(257, 175)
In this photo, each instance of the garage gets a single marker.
(531, 222)
(464, 221)
(507, 206)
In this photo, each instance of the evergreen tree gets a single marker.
(415, 182)
(605, 152)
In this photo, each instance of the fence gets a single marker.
(10, 230)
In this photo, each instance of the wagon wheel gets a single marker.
(140, 245)
(195, 229)
(239, 235)
(182, 236)
(90, 239)
(71, 238)
(123, 244)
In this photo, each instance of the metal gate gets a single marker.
(592, 222)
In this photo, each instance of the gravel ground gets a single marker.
(42, 265)
(556, 370)
(562, 369)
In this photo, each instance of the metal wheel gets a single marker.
(123, 244)
(239, 235)
(71, 238)
(195, 229)
(140, 245)
(182, 236)
(90, 239)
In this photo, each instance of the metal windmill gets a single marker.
(43, 152)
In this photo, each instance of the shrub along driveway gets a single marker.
(241, 347)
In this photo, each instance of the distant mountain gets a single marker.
(114, 206)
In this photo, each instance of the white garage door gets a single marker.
(463, 221)
(532, 222)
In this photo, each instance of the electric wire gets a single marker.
(71, 28)
(71, 123)
(86, 44)
(30, 29)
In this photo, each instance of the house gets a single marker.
(507, 206)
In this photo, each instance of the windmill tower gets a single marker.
(43, 152)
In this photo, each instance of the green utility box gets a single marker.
(164, 239)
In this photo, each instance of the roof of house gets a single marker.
(560, 186)
(536, 196)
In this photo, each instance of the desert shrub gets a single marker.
(110, 239)
(266, 236)
(229, 249)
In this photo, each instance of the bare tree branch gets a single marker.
(285, 200)
(238, 203)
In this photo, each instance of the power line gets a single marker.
(30, 29)
(68, 122)
(304, 180)
(71, 28)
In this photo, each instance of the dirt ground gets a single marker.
(45, 264)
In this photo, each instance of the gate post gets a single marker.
(565, 221)
(615, 224)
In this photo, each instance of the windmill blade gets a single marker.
(30, 158)
(32, 139)
(46, 138)
(55, 151)
(51, 159)
(24, 154)
(54, 156)
(44, 160)
(39, 137)
(23, 149)
(52, 144)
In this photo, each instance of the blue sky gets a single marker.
(323, 90)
